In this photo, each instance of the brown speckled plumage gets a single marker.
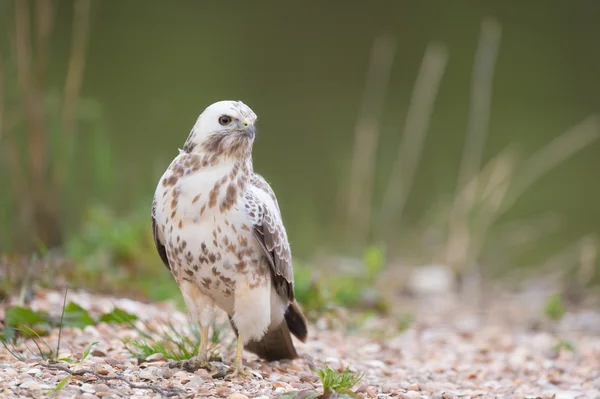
(217, 226)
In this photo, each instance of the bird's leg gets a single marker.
(200, 361)
(237, 370)
(201, 309)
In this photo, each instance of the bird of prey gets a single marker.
(218, 228)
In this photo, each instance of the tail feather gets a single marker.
(296, 321)
(277, 343)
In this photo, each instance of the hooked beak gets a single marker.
(249, 129)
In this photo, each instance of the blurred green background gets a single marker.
(149, 67)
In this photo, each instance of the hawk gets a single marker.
(218, 228)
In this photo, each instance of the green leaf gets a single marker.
(60, 385)
(87, 351)
(18, 315)
(66, 359)
(345, 393)
(288, 395)
(117, 316)
(308, 394)
(76, 316)
(374, 260)
(555, 309)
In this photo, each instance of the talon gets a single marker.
(191, 365)
(237, 371)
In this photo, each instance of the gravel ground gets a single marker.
(450, 351)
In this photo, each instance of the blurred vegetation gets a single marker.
(454, 138)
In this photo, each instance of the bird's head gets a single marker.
(225, 128)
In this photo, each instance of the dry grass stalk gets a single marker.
(553, 154)
(363, 160)
(479, 114)
(2, 90)
(415, 130)
(45, 22)
(81, 28)
(38, 198)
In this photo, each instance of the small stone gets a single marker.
(104, 393)
(34, 372)
(237, 396)
(101, 388)
(88, 396)
(371, 393)
(222, 391)
(11, 372)
(203, 373)
(166, 373)
(87, 388)
(155, 357)
(410, 395)
(112, 361)
(414, 387)
(30, 384)
(98, 353)
(146, 375)
(181, 375)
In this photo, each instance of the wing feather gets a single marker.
(162, 252)
(269, 231)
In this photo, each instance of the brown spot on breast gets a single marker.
(213, 195)
(204, 248)
(243, 241)
(233, 228)
(241, 266)
(189, 272)
(230, 198)
(172, 180)
(202, 209)
(183, 244)
(212, 258)
(206, 282)
(245, 227)
(196, 198)
(180, 225)
(173, 213)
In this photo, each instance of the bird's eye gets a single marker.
(225, 120)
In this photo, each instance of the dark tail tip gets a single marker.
(296, 321)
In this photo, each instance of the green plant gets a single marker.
(554, 309)
(564, 345)
(335, 385)
(170, 342)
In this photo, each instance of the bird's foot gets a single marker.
(191, 365)
(235, 371)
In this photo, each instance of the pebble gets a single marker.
(30, 384)
(237, 396)
(34, 372)
(410, 395)
(222, 391)
(155, 357)
(89, 388)
(147, 374)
